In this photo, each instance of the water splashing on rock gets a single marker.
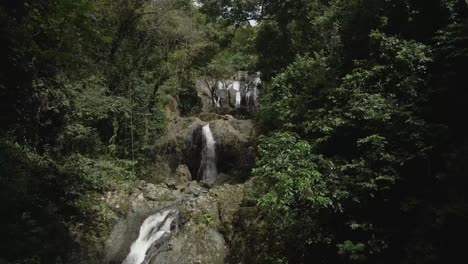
(155, 231)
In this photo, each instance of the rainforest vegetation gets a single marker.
(362, 153)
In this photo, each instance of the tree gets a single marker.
(83, 89)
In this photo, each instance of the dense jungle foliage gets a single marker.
(83, 90)
(363, 156)
(364, 153)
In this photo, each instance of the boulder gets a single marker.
(193, 188)
(194, 245)
(235, 141)
(237, 134)
(182, 174)
(171, 183)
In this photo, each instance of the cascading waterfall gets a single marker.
(216, 101)
(208, 170)
(236, 86)
(256, 94)
(154, 232)
(238, 99)
(243, 88)
(248, 97)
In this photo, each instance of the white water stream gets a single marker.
(208, 163)
(155, 229)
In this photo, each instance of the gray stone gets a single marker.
(171, 184)
(183, 174)
(141, 185)
(205, 184)
(224, 179)
(193, 188)
(157, 193)
(194, 244)
(234, 148)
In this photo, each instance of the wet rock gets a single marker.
(132, 204)
(199, 240)
(180, 150)
(206, 221)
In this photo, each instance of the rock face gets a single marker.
(184, 144)
(206, 228)
(183, 174)
(206, 218)
(131, 205)
(168, 152)
(194, 246)
(235, 147)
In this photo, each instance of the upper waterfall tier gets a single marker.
(241, 92)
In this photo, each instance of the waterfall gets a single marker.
(238, 99)
(236, 86)
(154, 232)
(257, 80)
(255, 94)
(248, 98)
(208, 170)
(217, 100)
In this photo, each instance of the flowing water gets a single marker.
(154, 232)
(208, 169)
(238, 99)
(244, 92)
(236, 86)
